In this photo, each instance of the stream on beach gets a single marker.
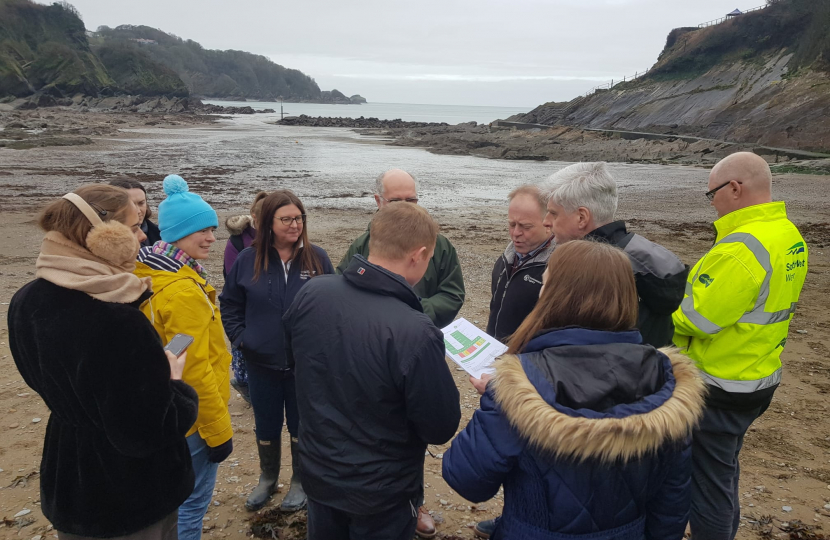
(327, 167)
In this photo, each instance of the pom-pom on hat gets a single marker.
(183, 213)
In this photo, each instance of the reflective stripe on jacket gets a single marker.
(740, 298)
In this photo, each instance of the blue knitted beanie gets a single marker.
(183, 213)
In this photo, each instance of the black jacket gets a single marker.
(115, 459)
(153, 233)
(513, 297)
(660, 279)
(252, 310)
(373, 388)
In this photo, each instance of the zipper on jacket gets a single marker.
(506, 285)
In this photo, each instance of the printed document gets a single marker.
(471, 348)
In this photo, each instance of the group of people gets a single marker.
(592, 423)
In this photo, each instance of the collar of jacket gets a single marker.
(612, 232)
(623, 433)
(371, 277)
(759, 212)
(575, 335)
(542, 255)
(163, 278)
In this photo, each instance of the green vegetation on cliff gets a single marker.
(44, 48)
(137, 73)
(212, 73)
(798, 26)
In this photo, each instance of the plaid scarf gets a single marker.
(169, 250)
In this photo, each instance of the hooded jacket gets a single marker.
(660, 278)
(514, 296)
(441, 290)
(373, 388)
(589, 432)
(184, 303)
(115, 459)
(252, 310)
(242, 236)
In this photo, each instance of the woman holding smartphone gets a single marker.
(115, 461)
(258, 291)
(184, 303)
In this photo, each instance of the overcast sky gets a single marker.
(457, 52)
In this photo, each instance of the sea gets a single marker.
(451, 114)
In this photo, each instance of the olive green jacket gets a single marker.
(442, 287)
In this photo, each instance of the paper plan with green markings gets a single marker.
(471, 348)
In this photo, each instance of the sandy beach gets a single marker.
(786, 456)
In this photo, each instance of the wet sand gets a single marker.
(786, 456)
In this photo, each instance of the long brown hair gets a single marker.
(264, 242)
(588, 284)
(110, 202)
(128, 183)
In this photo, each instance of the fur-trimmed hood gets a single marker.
(660, 403)
(238, 224)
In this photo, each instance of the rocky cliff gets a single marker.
(760, 78)
(45, 48)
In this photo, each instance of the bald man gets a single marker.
(441, 290)
(733, 322)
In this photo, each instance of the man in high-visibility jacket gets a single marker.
(733, 321)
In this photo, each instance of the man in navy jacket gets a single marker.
(373, 386)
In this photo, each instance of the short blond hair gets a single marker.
(399, 228)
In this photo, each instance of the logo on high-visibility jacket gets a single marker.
(706, 279)
(796, 249)
(781, 343)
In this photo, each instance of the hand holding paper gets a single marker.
(471, 348)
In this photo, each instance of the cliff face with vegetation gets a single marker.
(46, 49)
(761, 78)
(210, 73)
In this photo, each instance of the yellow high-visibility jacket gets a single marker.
(184, 303)
(740, 299)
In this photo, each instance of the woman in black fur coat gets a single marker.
(115, 461)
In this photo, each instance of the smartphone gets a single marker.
(179, 344)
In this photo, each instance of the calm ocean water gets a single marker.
(451, 114)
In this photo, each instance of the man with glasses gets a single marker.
(733, 322)
(441, 289)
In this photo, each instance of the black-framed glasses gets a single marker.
(711, 194)
(287, 221)
(413, 200)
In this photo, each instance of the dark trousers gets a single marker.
(716, 443)
(273, 398)
(166, 529)
(327, 523)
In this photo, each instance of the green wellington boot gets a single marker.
(269, 463)
(295, 499)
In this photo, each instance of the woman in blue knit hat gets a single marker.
(184, 303)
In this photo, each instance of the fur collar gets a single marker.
(238, 224)
(604, 439)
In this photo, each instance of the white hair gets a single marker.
(588, 185)
(381, 176)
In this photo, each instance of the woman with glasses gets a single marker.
(258, 290)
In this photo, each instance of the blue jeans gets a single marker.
(192, 511)
(272, 394)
